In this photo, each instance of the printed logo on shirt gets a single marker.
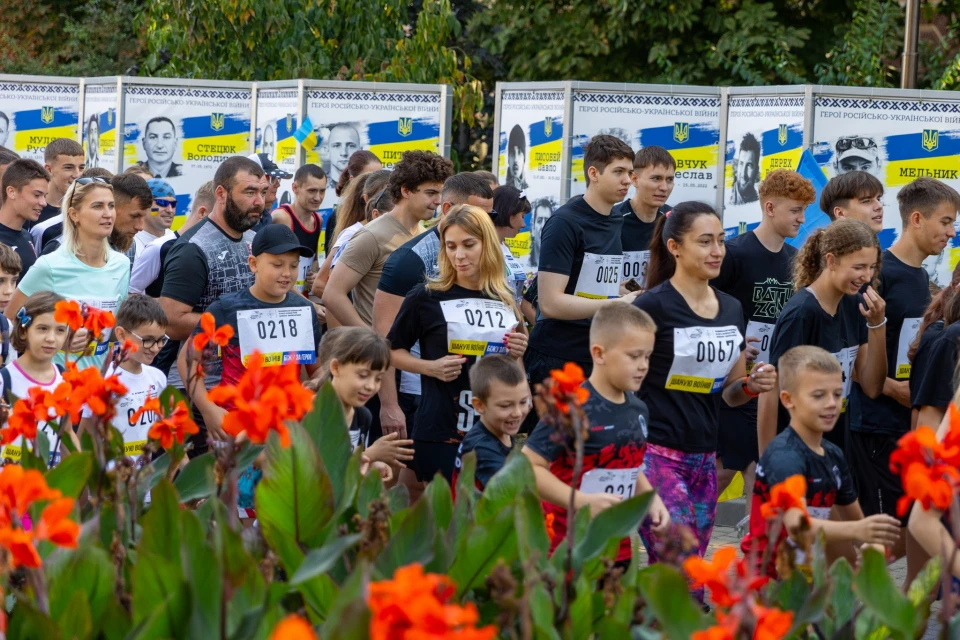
(836, 476)
(222, 255)
(770, 296)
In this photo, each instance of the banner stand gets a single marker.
(37, 109)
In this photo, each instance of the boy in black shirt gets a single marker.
(928, 210)
(654, 170)
(501, 396)
(25, 185)
(811, 388)
(621, 341)
(856, 195)
(580, 261)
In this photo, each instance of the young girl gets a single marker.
(38, 338)
(510, 206)
(698, 356)
(467, 312)
(831, 268)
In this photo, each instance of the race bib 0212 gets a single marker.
(703, 357)
(599, 277)
(282, 335)
(476, 327)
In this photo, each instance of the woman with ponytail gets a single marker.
(698, 357)
(831, 269)
(934, 354)
(360, 162)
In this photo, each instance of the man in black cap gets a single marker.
(272, 175)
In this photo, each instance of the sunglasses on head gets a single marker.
(165, 202)
(86, 181)
(858, 142)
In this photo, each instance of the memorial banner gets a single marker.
(100, 126)
(276, 122)
(34, 113)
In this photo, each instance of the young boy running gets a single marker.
(811, 388)
(501, 396)
(621, 340)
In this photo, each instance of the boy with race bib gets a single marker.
(832, 267)
(697, 360)
(621, 341)
(758, 271)
(811, 388)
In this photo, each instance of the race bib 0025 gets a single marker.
(281, 335)
(703, 357)
(599, 277)
(908, 333)
(476, 327)
(764, 331)
(635, 266)
(621, 482)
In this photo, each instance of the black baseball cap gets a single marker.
(276, 239)
(269, 166)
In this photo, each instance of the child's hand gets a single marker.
(390, 449)
(385, 471)
(658, 515)
(599, 501)
(213, 419)
(880, 529)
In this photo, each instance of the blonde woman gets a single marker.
(84, 268)
(466, 312)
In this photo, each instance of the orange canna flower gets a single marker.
(551, 518)
(928, 467)
(27, 415)
(789, 494)
(89, 387)
(19, 489)
(932, 486)
(56, 527)
(68, 311)
(175, 427)
(772, 624)
(567, 386)
(713, 633)
(97, 320)
(209, 333)
(714, 574)
(293, 627)
(152, 403)
(20, 545)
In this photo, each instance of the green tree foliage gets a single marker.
(867, 48)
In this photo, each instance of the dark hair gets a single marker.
(132, 187)
(936, 310)
(36, 305)
(846, 187)
(357, 162)
(310, 170)
(507, 202)
(416, 168)
(925, 195)
(10, 261)
(7, 156)
(22, 172)
(352, 345)
(653, 156)
(783, 183)
(377, 192)
(97, 172)
(138, 310)
(516, 139)
(494, 368)
(672, 227)
(602, 150)
(62, 147)
(146, 128)
(488, 177)
(750, 143)
(351, 208)
(227, 171)
(840, 238)
(458, 188)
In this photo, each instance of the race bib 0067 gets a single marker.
(281, 335)
(476, 327)
(703, 357)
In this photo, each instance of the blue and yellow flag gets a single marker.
(813, 217)
(305, 134)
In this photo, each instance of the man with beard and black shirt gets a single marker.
(654, 171)
(25, 186)
(210, 260)
(758, 271)
(63, 159)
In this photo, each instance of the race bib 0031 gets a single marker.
(908, 333)
(599, 277)
(703, 357)
(635, 266)
(281, 335)
(764, 331)
(621, 482)
(476, 327)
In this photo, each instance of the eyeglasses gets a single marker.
(858, 142)
(85, 181)
(150, 343)
(375, 203)
(274, 181)
(165, 202)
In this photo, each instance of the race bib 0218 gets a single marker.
(599, 277)
(282, 335)
(703, 357)
(908, 333)
(476, 327)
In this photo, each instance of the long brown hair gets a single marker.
(355, 165)
(672, 227)
(839, 238)
(351, 208)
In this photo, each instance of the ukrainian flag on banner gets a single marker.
(813, 217)
(208, 137)
(307, 137)
(108, 132)
(930, 153)
(35, 128)
(388, 140)
(286, 142)
(546, 139)
(692, 146)
(131, 133)
(780, 148)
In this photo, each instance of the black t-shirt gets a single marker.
(612, 454)
(804, 322)
(328, 228)
(762, 280)
(46, 213)
(932, 377)
(828, 483)
(580, 243)
(360, 425)
(411, 264)
(906, 290)
(692, 357)
(457, 321)
(635, 237)
(19, 241)
(490, 450)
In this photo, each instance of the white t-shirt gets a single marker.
(144, 238)
(342, 241)
(150, 381)
(36, 231)
(147, 264)
(20, 385)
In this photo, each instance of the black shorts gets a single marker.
(737, 445)
(409, 403)
(878, 488)
(538, 366)
(431, 458)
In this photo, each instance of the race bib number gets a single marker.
(764, 331)
(847, 358)
(703, 357)
(908, 333)
(103, 304)
(302, 270)
(599, 277)
(14, 450)
(820, 513)
(620, 482)
(476, 327)
(635, 266)
(516, 276)
(281, 335)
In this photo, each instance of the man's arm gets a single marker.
(385, 309)
(181, 319)
(554, 303)
(335, 296)
(185, 278)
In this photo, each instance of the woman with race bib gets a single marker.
(467, 312)
(510, 205)
(84, 268)
(832, 267)
(698, 357)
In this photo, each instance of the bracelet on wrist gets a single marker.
(746, 388)
(877, 326)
